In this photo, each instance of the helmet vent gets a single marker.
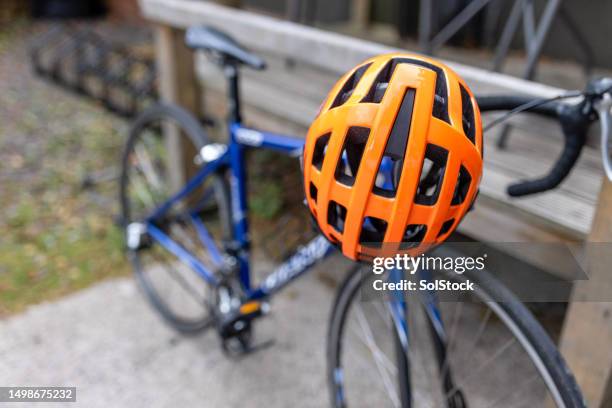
(398, 139)
(413, 236)
(432, 174)
(319, 150)
(372, 232)
(389, 169)
(336, 215)
(349, 86)
(462, 187)
(446, 227)
(384, 183)
(352, 152)
(467, 115)
(440, 106)
(313, 192)
(378, 88)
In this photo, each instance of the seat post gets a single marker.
(230, 70)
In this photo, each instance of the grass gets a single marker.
(56, 263)
(55, 238)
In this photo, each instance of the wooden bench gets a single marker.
(303, 64)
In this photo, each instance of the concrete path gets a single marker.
(108, 343)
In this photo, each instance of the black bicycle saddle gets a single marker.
(211, 39)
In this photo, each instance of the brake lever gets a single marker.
(603, 107)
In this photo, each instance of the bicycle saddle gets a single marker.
(211, 39)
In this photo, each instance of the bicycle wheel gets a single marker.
(493, 353)
(182, 297)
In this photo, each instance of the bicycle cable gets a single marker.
(530, 105)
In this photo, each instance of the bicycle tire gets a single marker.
(511, 310)
(191, 129)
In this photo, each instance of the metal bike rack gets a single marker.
(81, 60)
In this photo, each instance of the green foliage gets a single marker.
(267, 200)
(56, 262)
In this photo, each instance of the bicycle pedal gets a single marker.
(254, 308)
(235, 323)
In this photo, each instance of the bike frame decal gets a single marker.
(254, 138)
(294, 267)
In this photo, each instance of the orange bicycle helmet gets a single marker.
(394, 156)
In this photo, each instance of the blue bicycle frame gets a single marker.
(234, 159)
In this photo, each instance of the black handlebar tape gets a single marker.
(574, 125)
(565, 163)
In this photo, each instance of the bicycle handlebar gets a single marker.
(575, 121)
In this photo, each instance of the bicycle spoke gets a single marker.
(384, 315)
(143, 193)
(180, 279)
(185, 238)
(479, 332)
(450, 339)
(514, 390)
(368, 340)
(497, 354)
(147, 167)
(188, 237)
(379, 356)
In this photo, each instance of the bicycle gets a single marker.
(197, 234)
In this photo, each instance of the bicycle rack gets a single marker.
(82, 61)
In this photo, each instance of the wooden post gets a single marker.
(178, 85)
(586, 341)
(360, 13)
